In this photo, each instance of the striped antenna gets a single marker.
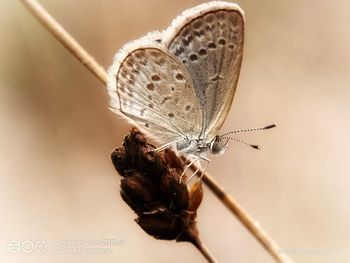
(251, 129)
(238, 140)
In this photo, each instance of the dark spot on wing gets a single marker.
(179, 76)
(155, 77)
(179, 51)
(187, 41)
(150, 86)
(202, 52)
(199, 33)
(193, 57)
(222, 41)
(211, 45)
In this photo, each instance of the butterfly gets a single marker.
(178, 85)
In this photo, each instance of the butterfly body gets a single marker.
(201, 147)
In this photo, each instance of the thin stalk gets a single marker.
(248, 222)
(66, 39)
(203, 250)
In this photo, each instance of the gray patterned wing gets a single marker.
(151, 88)
(208, 39)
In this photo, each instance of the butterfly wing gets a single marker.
(208, 39)
(152, 89)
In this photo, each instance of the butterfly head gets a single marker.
(218, 145)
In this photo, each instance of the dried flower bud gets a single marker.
(151, 186)
(137, 191)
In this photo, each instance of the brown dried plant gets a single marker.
(150, 185)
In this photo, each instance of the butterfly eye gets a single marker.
(218, 146)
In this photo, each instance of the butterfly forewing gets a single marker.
(153, 88)
(208, 40)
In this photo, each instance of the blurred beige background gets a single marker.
(56, 134)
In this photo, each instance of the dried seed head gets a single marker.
(150, 185)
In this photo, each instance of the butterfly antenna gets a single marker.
(238, 140)
(251, 129)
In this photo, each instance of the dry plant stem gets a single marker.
(67, 40)
(204, 250)
(88, 61)
(253, 227)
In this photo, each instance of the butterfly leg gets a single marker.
(199, 167)
(195, 158)
(205, 168)
(163, 147)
